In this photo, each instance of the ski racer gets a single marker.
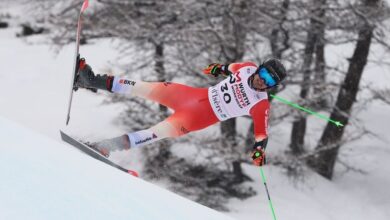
(242, 92)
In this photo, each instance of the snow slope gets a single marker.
(45, 179)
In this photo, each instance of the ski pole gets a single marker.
(266, 189)
(337, 123)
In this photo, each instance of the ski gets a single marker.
(93, 153)
(76, 57)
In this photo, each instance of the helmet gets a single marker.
(275, 68)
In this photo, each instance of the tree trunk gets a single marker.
(323, 162)
(320, 102)
(280, 44)
(315, 32)
(299, 124)
(229, 133)
(160, 71)
(319, 71)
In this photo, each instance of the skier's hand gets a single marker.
(214, 69)
(82, 64)
(84, 73)
(258, 156)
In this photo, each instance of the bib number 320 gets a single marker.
(224, 88)
(226, 96)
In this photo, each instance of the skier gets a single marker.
(243, 92)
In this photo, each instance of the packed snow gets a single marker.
(44, 178)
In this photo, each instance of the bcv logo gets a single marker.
(127, 82)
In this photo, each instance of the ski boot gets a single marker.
(87, 79)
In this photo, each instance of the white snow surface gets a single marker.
(44, 178)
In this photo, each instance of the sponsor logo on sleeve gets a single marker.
(154, 136)
(127, 82)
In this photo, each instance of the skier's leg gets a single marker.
(140, 138)
(180, 123)
(169, 94)
(160, 131)
(172, 95)
(196, 114)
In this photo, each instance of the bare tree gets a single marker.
(314, 34)
(319, 87)
(323, 162)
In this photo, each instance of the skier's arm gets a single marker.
(217, 69)
(259, 114)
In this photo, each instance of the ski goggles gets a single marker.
(266, 76)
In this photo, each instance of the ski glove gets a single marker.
(258, 153)
(216, 69)
(258, 157)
